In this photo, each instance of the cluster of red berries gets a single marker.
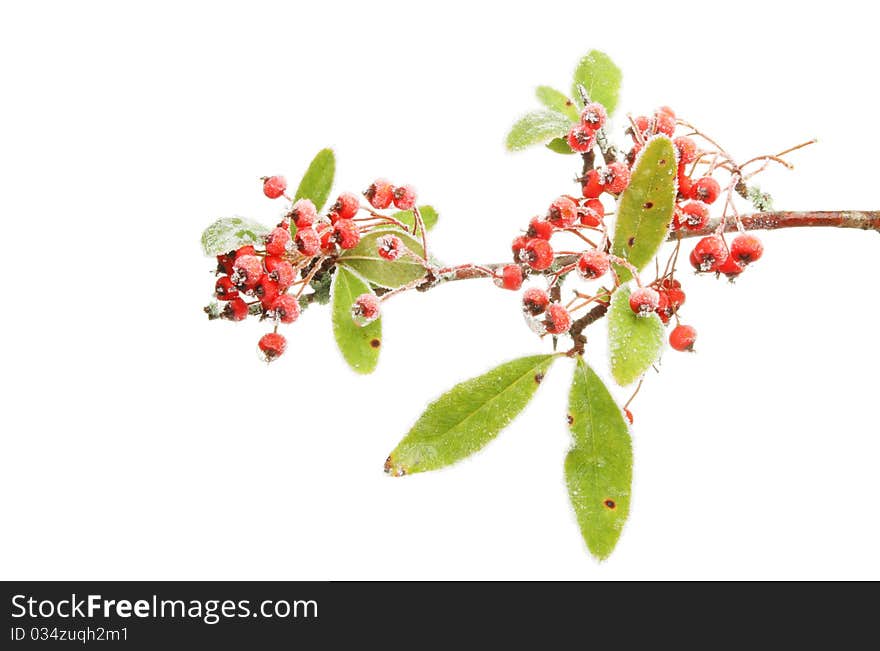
(259, 280)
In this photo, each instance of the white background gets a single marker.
(141, 441)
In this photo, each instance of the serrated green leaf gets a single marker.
(359, 346)
(645, 209)
(536, 128)
(557, 101)
(428, 213)
(560, 146)
(229, 233)
(635, 341)
(467, 417)
(601, 79)
(365, 261)
(598, 468)
(318, 179)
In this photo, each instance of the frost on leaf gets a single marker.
(634, 341)
(762, 201)
(536, 128)
(229, 233)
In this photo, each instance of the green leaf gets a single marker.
(365, 261)
(635, 341)
(229, 233)
(429, 216)
(599, 76)
(536, 128)
(318, 179)
(359, 346)
(598, 468)
(560, 146)
(466, 418)
(645, 209)
(557, 101)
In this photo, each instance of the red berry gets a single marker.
(518, 245)
(644, 301)
(380, 194)
(246, 271)
(685, 185)
(676, 298)
(682, 338)
(279, 270)
(307, 242)
(581, 138)
(235, 310)
(664, 123)
(511, 277)
(404, 197)
(346, 234)
(665, 110)
(594, 116)
(346, 206)
(390, 247)
(247, 249)
(274, 186)
(224, 262)
(593, 185)
(557, 320)
(538, 254)
(535, 301)
(224, 290)
(695, 215)
(278, 241)
(664, 309)
(632, 154)
(365, 309)
(643, 124)
(593, 264)
(705, 189)
(687, 150)
(266, 290)
(325, 237)
(562, 213)
(730, 268)
(303, 213)
(746, 248)
(709, 253)
(285, 308)
(615, 177)
(628, 415)
(540, 228)
(272, 346)
(591, 213)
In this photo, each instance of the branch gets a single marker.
(867, 220)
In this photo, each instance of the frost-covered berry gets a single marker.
(665, 110)
(307, 242)
(540, 228)
(664, 123)
(705, 189)
(274, 186)
(746, 248)
(562, 212)
(266, 290)
(272, 346)
(730, 268)
(676, 297)
(511, 277)
(247, 249)
(687, 150)
(285, 308)
(643, 125)
(404, 197)
(694, 215)
(557, 320)
(593, 264)
(224, 290)
(594, 116)
(278, 241)
(517, 246)
(346, 206)
(365, 309)
(380, 194)
(224, 262)
(664, 310)
(685, 185)
(246, 271)
(538, 254)
(682, 338)
(591, 213)
(279, 270)
(644, 301)
(390, 247)
(709, 253)
(535, 301)
(346, 234)
(581, 138)
(593, 185)
(235, 310)
(303, 213)
(615, 177)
